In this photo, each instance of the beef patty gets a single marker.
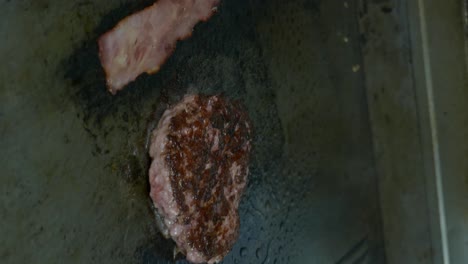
(200, 153)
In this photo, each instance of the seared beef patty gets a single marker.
(200, 153)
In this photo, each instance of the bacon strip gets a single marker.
(143, 41)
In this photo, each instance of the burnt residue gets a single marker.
(155, 251)
(386, 9)
(312, 5)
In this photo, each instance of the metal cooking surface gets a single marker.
(74, 160)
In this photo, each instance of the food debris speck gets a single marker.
(356, 68)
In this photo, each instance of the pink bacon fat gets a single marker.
(143, 41)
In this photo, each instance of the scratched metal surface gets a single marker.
(73, 186)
